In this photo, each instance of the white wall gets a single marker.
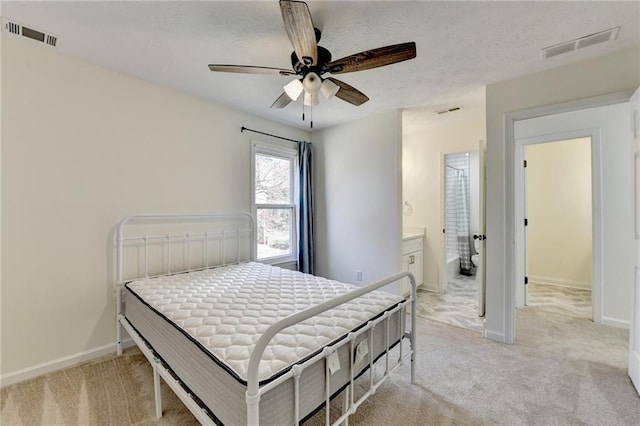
(426, 137)
(559, 212)
(607, 74)
(358, 199)
(82, 147)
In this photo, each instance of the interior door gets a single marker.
(443, 223)
(634, 331)
(525, 280)
(481, 274)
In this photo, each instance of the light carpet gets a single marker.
(561, 371)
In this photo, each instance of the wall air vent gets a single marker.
(452, 109)
(578, 43)
(12, 27)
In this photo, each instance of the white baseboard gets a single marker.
(494, 335)
(60, 363)
(560, 282)
(613, 322)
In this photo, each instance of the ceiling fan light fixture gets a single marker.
(312, 83)
(294, 89)
(329, 89)
(311, 99)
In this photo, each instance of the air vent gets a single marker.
(31, 33)
(12, 27)
(452, 109)
(579, 43)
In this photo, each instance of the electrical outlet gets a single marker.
(358, 275)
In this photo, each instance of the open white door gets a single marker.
(481, 273)
(443, 224)
(634, 331)
(525, 281)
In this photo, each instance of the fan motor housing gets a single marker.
(324, 57)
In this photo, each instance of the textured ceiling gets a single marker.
(461, 46)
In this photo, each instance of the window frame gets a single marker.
(288, 152)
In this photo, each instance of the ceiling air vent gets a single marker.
(579, 43)
(13, 27)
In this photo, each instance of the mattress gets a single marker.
(204, 324)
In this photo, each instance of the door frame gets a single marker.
(596, 213)
(509, 305)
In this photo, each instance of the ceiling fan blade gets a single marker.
(248, 69)
(374, 58)
(282, 101)
(349, 93)
(297, 22)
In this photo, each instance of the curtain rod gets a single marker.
(242, 129)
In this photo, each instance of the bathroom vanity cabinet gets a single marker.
(412, 257)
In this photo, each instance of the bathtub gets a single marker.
(453, 264)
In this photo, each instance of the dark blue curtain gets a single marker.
(306, 247)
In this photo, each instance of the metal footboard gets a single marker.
(254, 391)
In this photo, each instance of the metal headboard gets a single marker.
(186, 239)
(202, 230)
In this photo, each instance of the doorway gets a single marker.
(457, 302)
(461, 214)
(607, 126)
(558, 227)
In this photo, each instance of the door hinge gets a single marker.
(526, 280)
(525, 163)
(526, 222)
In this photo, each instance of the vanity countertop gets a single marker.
(411, 233)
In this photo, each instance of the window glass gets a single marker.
(274, 208)
(273, 180)
(274, 232)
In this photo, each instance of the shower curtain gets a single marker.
(462, 222)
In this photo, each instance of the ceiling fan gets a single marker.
(311, 62)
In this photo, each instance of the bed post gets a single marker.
(119, 288)
(119, 248)
(253, 407)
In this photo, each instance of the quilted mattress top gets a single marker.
(226, 309)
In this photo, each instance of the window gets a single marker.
(273, 190)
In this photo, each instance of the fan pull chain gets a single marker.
(311, 113)
(302, 111)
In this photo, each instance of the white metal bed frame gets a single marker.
(254, 390)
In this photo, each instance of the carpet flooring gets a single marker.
(562, 370)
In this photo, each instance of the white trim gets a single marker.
(494, 335)
(636, 190)
(560, 282)
(509, 283)
(61, 363)
(613, 322)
